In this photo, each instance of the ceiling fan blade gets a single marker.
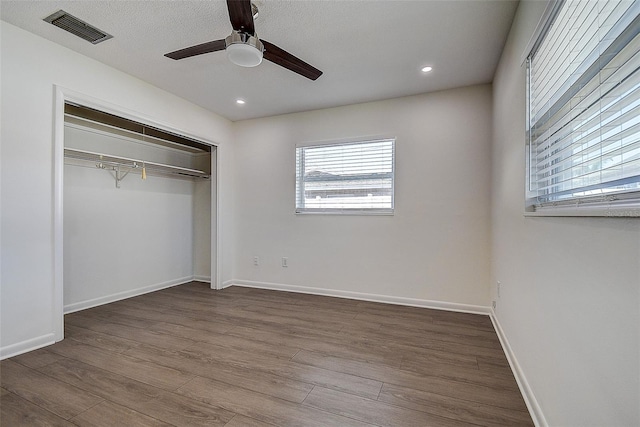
(283, 58)
(241, 16)
(198, 49)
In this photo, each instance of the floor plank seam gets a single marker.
(291, 358)
(18, 396)
(343, 415)
(88, 409)
(380, 391)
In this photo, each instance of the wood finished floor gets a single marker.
(190, 356)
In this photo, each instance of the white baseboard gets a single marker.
(438, 305)
(25, 346)
(206, 279)
(83, 305)
(227, 283)
(527, 393)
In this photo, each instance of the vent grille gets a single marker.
(70, 23)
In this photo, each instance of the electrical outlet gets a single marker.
(285, 261)
(256, 260)
(498, 286)
(493, 304)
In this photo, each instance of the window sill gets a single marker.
(605, 211)
(368, 212)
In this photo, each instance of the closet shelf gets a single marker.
(107, 160)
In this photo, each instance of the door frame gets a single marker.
(64, 95)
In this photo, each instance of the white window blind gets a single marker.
(584, 105)
(349, 177)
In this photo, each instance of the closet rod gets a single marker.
(116, 161)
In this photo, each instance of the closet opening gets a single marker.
(136, 208)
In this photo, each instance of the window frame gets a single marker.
(625, 203)
(299, 191)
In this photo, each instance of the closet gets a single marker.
(137, 208)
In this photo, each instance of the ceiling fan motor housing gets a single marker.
(244, 49)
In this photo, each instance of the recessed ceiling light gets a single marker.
(426, 69)
(240, 101)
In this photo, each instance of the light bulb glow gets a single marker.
(240, 101)
(244, 55)
(426, 69)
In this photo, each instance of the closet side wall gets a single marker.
(202, 231)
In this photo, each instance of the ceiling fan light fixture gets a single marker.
(243, 46)
(244, 50)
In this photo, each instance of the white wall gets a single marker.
(30, 67)
(435, 247)
(570, 297)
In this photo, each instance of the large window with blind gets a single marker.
(583, 124)
(346, 177)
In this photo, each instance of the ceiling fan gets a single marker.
(243, 46)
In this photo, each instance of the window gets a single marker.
(583, 119)
(347, 177)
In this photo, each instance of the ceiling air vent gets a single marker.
(77, 27)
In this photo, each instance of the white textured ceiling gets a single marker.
(368, 50)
